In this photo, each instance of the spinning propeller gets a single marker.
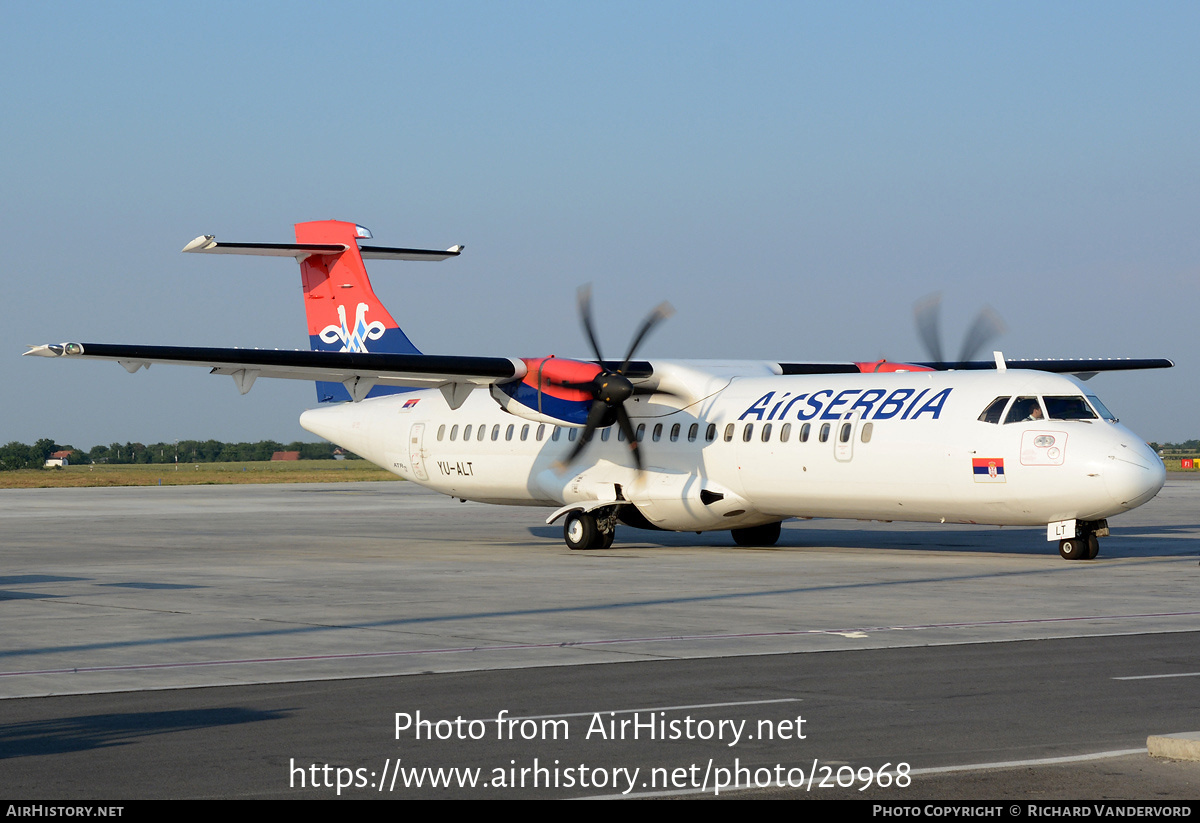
(610, 389)
(986, 326)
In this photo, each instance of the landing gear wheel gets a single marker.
(1093, 546)
(765, 535)
(583, 534)
(606, 539)
(1073, 548)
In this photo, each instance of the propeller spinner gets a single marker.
(610, 389)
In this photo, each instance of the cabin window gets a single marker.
(657, 432)
(554, 435)
(785, 431)
(441, 431)
(844, 434)
(605, 432)
(710, 434)
(1024, 409)
(693, 430)
(766, 434)
(508, 433)
(729, 433)
(641, 432)
(453, 432)
(572, 434)
(747, 432)
(541, 432)
(805, 429)
(824, 435)
(620, 435)
(496, 432)
(1068, 408)
(994, 410)
(482, 432)
(867, 430)
(525, 432)
(674, 432)
(467, 432)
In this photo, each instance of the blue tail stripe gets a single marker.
(392, 341)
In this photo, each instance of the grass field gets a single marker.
(1172, 461)
(195, 474)
(202, 474)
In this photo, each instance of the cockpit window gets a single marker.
(1069, 408)
(1099, 407)
(1023, 409)
(992, 413)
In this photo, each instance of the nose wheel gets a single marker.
(761, 536)
(1084, 546)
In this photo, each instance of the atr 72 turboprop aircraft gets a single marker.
(688, 445)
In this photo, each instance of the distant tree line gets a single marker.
(1185, 446)
(20, 456)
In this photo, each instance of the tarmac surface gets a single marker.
(208, 641)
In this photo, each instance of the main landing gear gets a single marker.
(585, 531)
(1085, 545)
(765, 535)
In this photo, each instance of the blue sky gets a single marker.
(793, 177)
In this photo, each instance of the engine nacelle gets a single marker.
(544, 394)
(876, 366)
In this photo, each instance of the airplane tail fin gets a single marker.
(343, 312)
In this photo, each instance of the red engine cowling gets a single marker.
(545, 394)
(875, 366)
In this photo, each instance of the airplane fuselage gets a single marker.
(903, 446)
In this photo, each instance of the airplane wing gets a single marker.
(359, 372)
(1083, 368)
(430, 370)
(1085, 365)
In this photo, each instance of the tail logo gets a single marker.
(355, 341)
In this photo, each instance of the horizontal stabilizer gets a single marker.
(207, 244)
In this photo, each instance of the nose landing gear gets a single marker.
(1085, 545)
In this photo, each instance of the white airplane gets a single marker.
(689, 445)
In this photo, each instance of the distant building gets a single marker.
(285, 456)
(338, 454)
(58, 459)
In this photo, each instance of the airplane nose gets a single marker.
(1134, 476)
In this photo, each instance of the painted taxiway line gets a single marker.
(971, 767)
(861, 632)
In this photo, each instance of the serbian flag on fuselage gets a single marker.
(988, 469)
